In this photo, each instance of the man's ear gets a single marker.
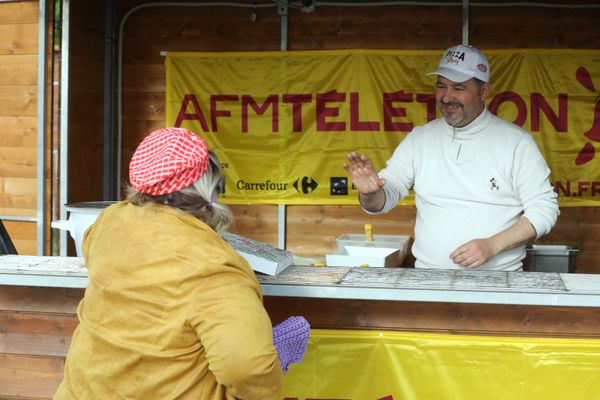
(485, 91)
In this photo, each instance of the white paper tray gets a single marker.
(399, 242)
(360, 256)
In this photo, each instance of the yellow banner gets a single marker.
(283, 122)
(367, 365)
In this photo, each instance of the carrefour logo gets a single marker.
(305, 185)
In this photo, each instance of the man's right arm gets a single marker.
(372, 202)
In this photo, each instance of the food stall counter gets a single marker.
(358, 283)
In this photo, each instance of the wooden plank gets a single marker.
(86, 107)
(19, 39)
(87, 45)
(543, 42)
(370, 41)
(145, 78)
(86, 102)
(87, 131)
(138, 129)
(17, 212)
(391, 21)
(18, 101)
(18, 69)
(19, 162)
(87, 73)
(88, 16)
(85, 188)
(29, 377)
(533, 22)
(315, 236)
(148, 52)
(23, 235)
(20, 229)
(41, 300)
(457, 318)
(144, 106)
(201, 22)
(18, 131)
(26, 247)
(19, 12)
(86, 161)
(18, 193)
(257, 222)
(587, 263)
(35, 334)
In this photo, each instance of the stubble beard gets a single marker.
(456, 118)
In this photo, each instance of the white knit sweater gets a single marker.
(470, 183)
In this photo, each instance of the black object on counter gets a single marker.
(6, 245)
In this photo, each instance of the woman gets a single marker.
(171, 310)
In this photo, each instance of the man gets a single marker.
(481, 184)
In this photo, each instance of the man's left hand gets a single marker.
(474, 253)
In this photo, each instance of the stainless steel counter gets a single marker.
(395, 284)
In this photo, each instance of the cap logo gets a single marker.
(482, 67)
(453, 57)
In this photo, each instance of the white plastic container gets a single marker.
(81, 216)
(399, 242)
(360, 256)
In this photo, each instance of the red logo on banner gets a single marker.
(588, 152)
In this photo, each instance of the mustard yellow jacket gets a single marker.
(171, 312)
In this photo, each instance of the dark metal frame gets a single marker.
(6, 245)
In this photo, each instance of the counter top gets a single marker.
(396, 284)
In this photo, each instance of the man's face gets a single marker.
(460, 103)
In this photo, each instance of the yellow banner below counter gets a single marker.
(282, 123)
(368, 365)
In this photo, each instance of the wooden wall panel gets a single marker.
(311, 230)
(37, 325)
(455, 318)
(36, 329)
(375, 27)
(17, 196)
(36, 334)
(579, 227)
(259, 222)
(17, 12)
(29, 377)
(18, 131)
(18, 38)
(19, 162)
(530, 27)
(18, 69)
(86, 101)
(18, 119)
(23, 236)
(43, 300)
(18, 100)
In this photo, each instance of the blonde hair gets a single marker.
(198, 199)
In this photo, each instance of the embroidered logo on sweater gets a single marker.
(494, 184)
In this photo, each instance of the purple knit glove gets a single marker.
(290, 339)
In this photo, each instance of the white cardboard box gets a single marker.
(360, 256)
(399, 242)
(261, 257)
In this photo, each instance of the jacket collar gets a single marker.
(470, 131)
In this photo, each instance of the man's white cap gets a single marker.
(461, 63)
